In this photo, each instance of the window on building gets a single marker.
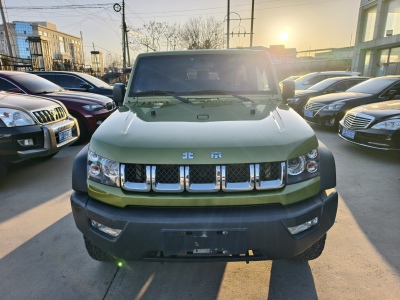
(369, 25)
(393, 18)
(367, 62)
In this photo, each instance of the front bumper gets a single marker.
(45, 140)
(323, 118)
(372, 138)
(221, 233)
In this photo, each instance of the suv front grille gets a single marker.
(50, 115)
(357, 121)
(203, 178)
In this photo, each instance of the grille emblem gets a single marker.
(216, 155)
(187, 155)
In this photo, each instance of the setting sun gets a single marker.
(283, 36)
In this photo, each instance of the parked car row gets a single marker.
(89, 109)
(38, 118)
(365, 111)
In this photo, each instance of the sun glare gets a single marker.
(283, 36)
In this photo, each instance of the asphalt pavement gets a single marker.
(42, 254)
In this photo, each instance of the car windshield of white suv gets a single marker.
(36, 84)
(201, 74)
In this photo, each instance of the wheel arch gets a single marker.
(79, 171)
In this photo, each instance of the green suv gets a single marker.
(204, 160)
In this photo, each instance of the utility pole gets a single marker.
(83, 54)
(123, 42)
(118, 8)
(252, 22)
(10, 52)
(227, 26)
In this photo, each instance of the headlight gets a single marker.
(102, 170)
(333, 107)
(14, 118)
(303, 167)
(93, 107)
(388, 125)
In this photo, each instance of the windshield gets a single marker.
(36, 84)
(322, 85)
(204, 73)
(95, 81)
(373, 86)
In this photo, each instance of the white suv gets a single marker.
(304, 82)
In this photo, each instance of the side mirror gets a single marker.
(288, 88)
(118, 93)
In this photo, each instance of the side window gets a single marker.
(316, 79)
(67, 81)
(394, 92)
(340, 86)
(49, 77)
(350, 83)
(8, 86)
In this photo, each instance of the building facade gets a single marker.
(44, 45)
(377, 45)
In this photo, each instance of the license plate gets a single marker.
(348, 133)
(64, 135)
(204, 242)
(308, 113)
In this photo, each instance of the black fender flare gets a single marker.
(327, 169)
(79, 171)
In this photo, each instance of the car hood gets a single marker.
(26, 103)
(240, 132)
(79, 97)
(342, 97)
(379, 110)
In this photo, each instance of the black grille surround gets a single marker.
(50, 115)
(203, 178)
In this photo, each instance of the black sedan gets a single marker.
(328, 110)
(375, 125)
(327, 86)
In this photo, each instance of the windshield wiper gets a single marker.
(224, 93)
(160, 92)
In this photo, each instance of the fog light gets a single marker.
(27, 142)
(107, 230)
(303, 227)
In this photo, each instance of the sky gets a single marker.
(301, 24)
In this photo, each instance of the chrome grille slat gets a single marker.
(203, 178)
(50, 115)
(357, 121)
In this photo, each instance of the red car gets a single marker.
(89, 109)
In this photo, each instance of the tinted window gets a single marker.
(50, 77)
(36, 84)
(373, 86)
(68, 81)
(196, 73)
(6, 85)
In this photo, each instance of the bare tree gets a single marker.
(198, 33)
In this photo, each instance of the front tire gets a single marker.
(313, 252)
(96, 253)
